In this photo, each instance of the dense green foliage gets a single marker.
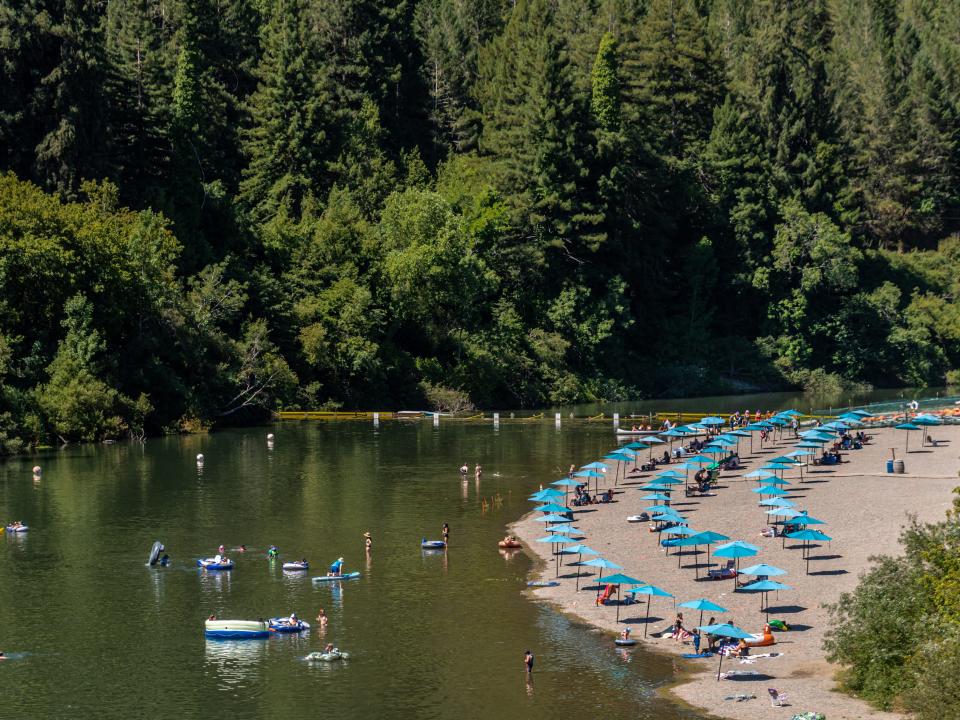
(384, 202)
(898, 633)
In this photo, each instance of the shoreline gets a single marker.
(863, 520)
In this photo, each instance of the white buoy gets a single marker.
(270, 436)
(37, 470)
(200, 459)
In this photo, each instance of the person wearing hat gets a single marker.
(368, 541)
(336, 569)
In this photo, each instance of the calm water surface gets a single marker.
(95, 633)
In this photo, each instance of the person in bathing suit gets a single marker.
(528, 661)
(336, 569)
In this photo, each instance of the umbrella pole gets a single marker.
(599, 582)
(701, 618)
(646, 618)
(577, 587)
(618, 605)
(719, 666)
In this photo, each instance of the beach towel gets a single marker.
(809, 716)
(740, 697)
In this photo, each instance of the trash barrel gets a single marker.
(898, 467)
(889, 466)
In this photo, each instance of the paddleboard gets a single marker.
(334, 578)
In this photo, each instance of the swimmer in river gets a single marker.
(446, 532)
(528, 661)
(367, 541)
(322, 618)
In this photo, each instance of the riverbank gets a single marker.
(864, 509)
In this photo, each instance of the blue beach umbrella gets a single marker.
(668, 480)
(760, 474)
(657, 509)
(786, 512)
(579, 551)
(735, 550)
(553, 519)
(547, 494)
(650, 591)
(552, 508)
(765, 586)
(768, 490)
(594, 466)
(725, 630)
(682, 530)
(808, 536)
(713, 420)
(763, 570)
(565, 482)
(777, 502)
(603, 564)
(908, 427)
(657, 496)
(804, 519)
(699, 459)
(588, 474)
(620, 579)
(702, 604)
(810, 444)
(656, 487)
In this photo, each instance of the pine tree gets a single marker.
(288, 143)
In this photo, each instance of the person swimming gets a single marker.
(322, 618)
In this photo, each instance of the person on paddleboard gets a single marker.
(336, 569)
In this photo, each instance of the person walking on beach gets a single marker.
(446, 532)
(528, 661)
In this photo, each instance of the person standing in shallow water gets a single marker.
(446, 532)
(528, 661)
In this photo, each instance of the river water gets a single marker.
(95, 633)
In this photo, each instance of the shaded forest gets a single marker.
(211, 208)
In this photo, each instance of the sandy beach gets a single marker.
(864, 509)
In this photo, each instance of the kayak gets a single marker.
(327, 657)
(282, 625)
(296, 566)
(12, 529)
(433, 544)
(236, 629)
(621, 431)
(211, 564)
(332, 578)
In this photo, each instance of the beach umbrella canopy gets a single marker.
(739, 433)
(768, 490)
(621, 579)
(735, 552)
(777, 502)
(622, 454)
(737, 544)
(656, 496)
(783, 459)
(552, 508)
(601, 563)
(669, 517)
(765, 586)
(668, 480)
(657, 509)
(673, 432)
(650, 440)
(636, 445)
(589, 474)
(779, 466)
(803, 519)
(714, 450)
(723, 441)
(547, 494)
(578, 550)
(725, 630)
(709, 537)
(712, 420)
(656, 487)
(566, 530)
(810, 444)
(759, 474)
(928, 421)
(669, 473)
(776, 481)
(702, 604)
(861, 413)
(800, 453)
(594, 466)
(786, 512)
(553, 519)
(678, 530)
(565, 482)
(763, 570)
(907, 426)
(688, 541)
(809, 536)
(699, 459)
(554, 539)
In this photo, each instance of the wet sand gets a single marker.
(864, 509)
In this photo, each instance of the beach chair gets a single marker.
(723, 573)
(777, 698)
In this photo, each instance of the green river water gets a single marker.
(94, 633)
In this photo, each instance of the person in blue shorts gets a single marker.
(336, 569)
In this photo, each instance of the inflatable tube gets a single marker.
(542, 583)
(764, 640)
(12, 529)
(282, 625)
(624, 643)
(433, 544)
(211, 564)
(513, 545)
(296, 566)
(155, 553)
(637, 518)
(914, 405)
(334, 578)
(236, 629)
(327, 657)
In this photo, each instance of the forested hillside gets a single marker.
(212, 207)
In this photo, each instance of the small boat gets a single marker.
(215, 563)
(296, 566)
(334, 578)
(236, 629)
(283, 625)
(432, 544)
(621, 431)
(625, 642)
(17, 528)
(331, 656)
(509, 544)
